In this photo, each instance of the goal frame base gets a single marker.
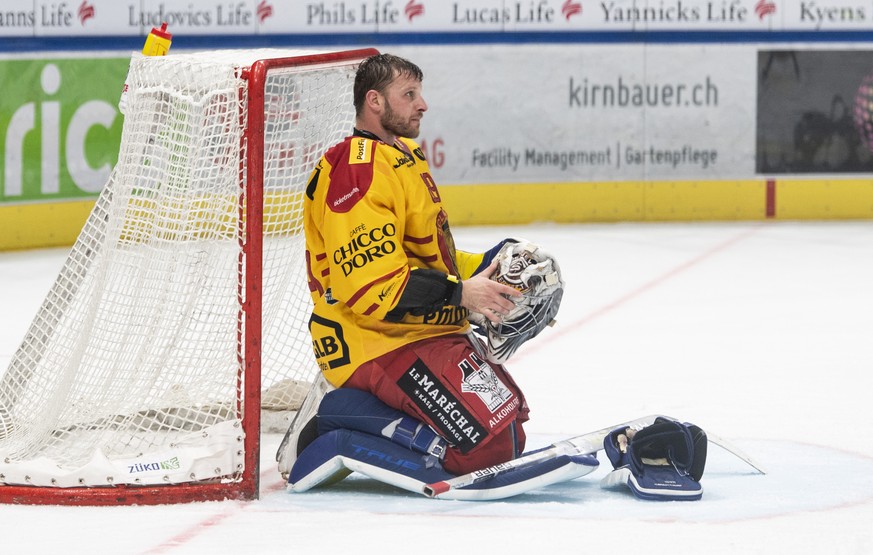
(125, 494)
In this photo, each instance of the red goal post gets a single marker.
(183, 302)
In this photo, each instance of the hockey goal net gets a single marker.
(182, 307)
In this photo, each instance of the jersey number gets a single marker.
(431, 187)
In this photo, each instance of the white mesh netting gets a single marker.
(131, 372)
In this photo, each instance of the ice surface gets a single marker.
(761, 333)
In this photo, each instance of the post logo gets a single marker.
(413, 9)
(360, 151)
(264, 11)
(570, 8)
(764, 8)
(85, 12)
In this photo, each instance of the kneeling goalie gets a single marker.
(409, 394)
(439, 406)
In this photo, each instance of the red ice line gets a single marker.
(547, 339)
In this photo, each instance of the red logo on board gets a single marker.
(570, 8)
(413, 9)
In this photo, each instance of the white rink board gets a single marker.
(501, 114)
(264, 17)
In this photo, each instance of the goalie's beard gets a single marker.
(395, 124)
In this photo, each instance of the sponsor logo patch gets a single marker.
(168, 464)
(328, 343)
(450, 418)
(480, 378)
(360, 151)
(365, 247)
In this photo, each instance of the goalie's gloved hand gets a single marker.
(662, 461)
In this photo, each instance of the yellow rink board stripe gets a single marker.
(751, 199)
(825, 199)
(39, 225)
(26, 226)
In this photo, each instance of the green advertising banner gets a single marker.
(60, 127)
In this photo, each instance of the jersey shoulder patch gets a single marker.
(361, 150)
(351, 173)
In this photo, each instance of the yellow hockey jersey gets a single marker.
(373, 218)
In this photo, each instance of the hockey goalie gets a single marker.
(375, 424)
(409, 393)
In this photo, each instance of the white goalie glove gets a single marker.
(526, 267)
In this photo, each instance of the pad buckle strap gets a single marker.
(415, 435)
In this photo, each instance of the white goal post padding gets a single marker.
(134, 369)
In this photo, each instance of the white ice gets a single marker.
(761, 333)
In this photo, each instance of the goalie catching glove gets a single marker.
(661, 462)
(536, 274)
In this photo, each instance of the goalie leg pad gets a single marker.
(661, 462)
(561, 468)
(358, 410)
(337, 453)
(302, 429)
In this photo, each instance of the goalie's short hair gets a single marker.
(377, 72)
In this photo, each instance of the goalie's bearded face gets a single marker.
(403, 107)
